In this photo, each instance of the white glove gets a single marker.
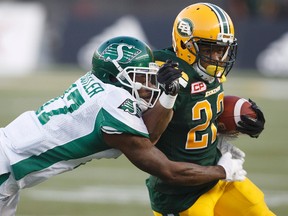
(233, 167)
(224, 147)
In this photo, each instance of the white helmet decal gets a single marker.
(122, 53)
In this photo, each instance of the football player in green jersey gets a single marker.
(94, 120)
(205, 47)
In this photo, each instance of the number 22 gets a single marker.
(192, 141)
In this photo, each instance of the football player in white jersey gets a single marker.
(94, 120)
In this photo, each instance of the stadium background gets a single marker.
(69, 30)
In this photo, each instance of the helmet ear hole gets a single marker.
(112, 78)
(183, 46)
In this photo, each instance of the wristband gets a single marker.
(167, 101)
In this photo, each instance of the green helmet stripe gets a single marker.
(222, 18)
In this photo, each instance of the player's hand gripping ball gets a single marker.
(234, 109)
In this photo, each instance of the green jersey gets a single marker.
(191, 136)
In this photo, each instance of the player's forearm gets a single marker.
(192, 174)
(150, 159)
(157, 119)
(181, 173)
(154, 162)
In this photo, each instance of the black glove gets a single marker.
(168, 77)
(250, 126)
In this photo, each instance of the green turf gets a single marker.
(266, 160)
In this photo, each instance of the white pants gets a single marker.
(8, 205)
(9, 190)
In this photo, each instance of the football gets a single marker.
(234, 107)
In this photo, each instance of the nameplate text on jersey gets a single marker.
(90, 86)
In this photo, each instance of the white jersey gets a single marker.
(66, 131)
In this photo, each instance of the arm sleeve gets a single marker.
(121, 114)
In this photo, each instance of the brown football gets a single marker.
(234, 107)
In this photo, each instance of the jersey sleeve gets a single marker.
(121, 114)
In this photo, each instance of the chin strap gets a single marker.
(223, 79)
(200, 70)
(210, 71)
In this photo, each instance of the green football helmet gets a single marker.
(129, 63)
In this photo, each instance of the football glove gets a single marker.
(168, 77)
(250, 126)
(224, 146)
(233, 167)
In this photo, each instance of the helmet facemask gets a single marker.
(203, 49)
(141, 83)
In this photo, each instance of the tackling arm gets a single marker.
(144, 155)
(156, 121)
(157, 118)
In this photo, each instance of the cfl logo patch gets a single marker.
(198, 87)
(185, 28)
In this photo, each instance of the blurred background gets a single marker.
(47, 44)
(45, 33)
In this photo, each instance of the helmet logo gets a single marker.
(185, 27)
(122, 53)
